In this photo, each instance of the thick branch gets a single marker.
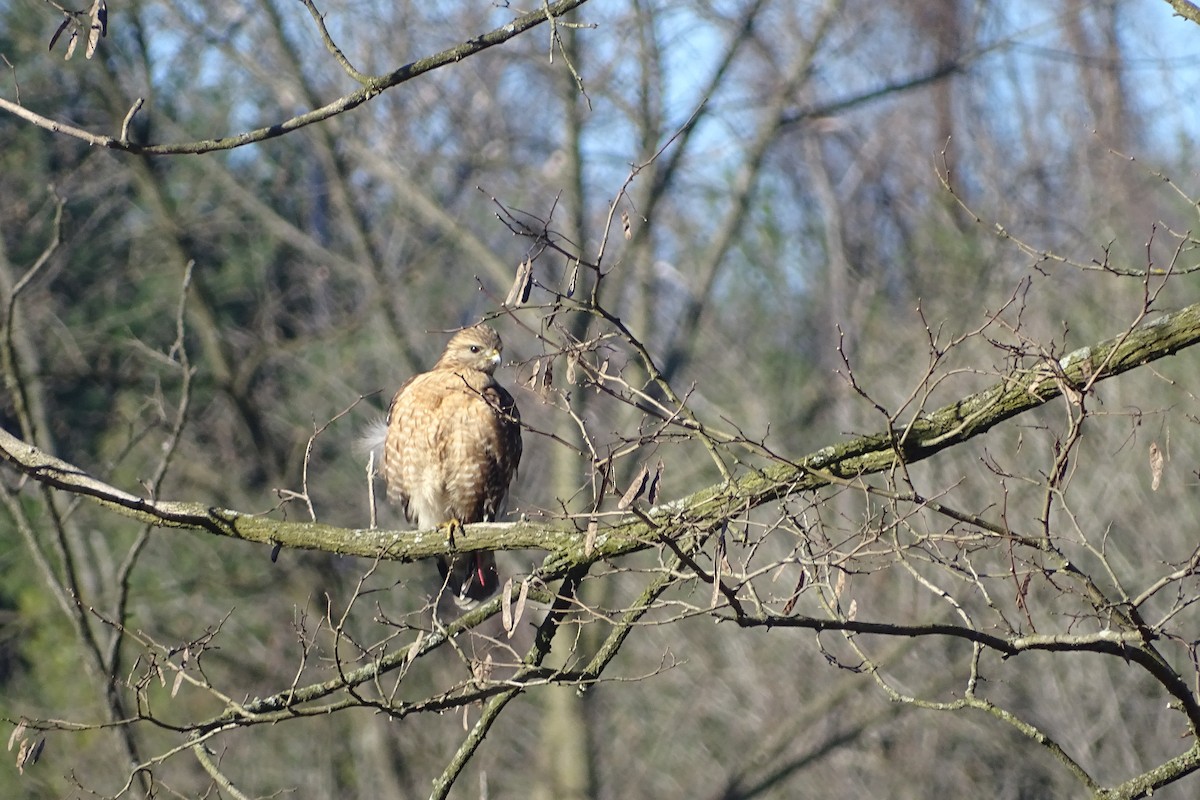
(1186, 9)
(703, 511)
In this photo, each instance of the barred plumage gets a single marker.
(452, 448)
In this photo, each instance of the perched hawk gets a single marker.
(452, 447)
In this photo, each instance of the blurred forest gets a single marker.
(820, 496)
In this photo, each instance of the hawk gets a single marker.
(452, 447)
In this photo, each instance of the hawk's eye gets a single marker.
(475, 348)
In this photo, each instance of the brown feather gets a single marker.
(452, 448)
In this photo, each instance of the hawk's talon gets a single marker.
(450, 527)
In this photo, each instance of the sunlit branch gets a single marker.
(373, 87)
(707, 509)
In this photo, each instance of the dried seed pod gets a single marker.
(518, 295)
(636, 488)
(1156, 466)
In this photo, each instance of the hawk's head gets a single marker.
(476, 348)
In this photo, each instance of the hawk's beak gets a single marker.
(494, 358)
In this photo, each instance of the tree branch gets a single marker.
(1186, 9)
(372, 87)
(700, 512)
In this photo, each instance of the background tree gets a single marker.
(875, 234)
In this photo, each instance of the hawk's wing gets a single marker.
(505, 431)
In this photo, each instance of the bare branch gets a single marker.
(705, 510)
(373, 87)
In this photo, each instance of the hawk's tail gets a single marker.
(470, 577)
(372, 438)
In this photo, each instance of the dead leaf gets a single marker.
(16, 734)
(574, 278)
(62, 27)
(98, 27)
(1073, 395)
(542, 378)
(853, 612)
(413, 650)
(1156, 466)
(1041, 373)
(625, 225)
(518, 295)
(718, 562)
(177, 683)
(519, 608)
(482, 669)
(635, 489)
(72, 43)
(589, 544)
(29, 753)
(506, 615)
(790, 605)
(652, 490)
